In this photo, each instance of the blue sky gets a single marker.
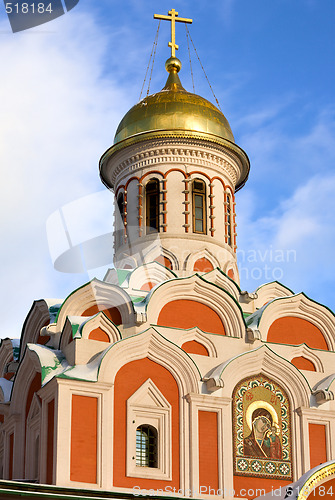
(66, 85)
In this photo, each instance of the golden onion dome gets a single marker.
(173, 108)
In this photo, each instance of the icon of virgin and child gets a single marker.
(263, 441)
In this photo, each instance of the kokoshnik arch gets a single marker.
(166, 375)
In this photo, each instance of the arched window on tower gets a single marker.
(152, 206)
(199, 206)
(121, 214)
(229, 220)
(146, 446)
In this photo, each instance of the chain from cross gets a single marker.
(173, 17)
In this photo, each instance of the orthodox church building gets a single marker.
(166, 378)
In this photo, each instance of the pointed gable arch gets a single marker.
(195, 347)
(163, 256)
(152, 272)
(205, 303)
(219, 278)
(27, 381)
(311, 355)
(270, 291)
(261, 361)
(304, 320)
(7, 357)
(99, 327)
(231, 270)
(303, 363)
(41, 314)
(91, 298)
(102, 322)
(152, 345)
(200, 258)
(197, 335)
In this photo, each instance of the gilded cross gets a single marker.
(173, 17)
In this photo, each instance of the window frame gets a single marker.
(121, 218)
(201, 193)
(149, 195)
(148, 407)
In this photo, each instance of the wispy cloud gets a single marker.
(58, 115)
(295, 240)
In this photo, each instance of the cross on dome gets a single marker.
(173, 17)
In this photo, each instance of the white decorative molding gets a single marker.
(201, 337)
(203, 253)
(299, 306)
(264, 361)
(220, 279)
(199, 290)
(156, 153)
(158, 349)
(33, 440)
(153, 272)
(148, 406)
(93, 293)
(270, 291)
(309, 354)
(103, 322)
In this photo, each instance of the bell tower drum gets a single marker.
(174, 168)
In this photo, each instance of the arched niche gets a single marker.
(303, 363)
(195, 347)
(222, 310)
(203, 265)
(153, 346)
(185, 313)
(295, 331)
(317, 318)
(92, 298)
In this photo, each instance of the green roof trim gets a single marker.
(122, 274)
(273, 282)
(226, 275)
(13, 489)
(254, 319)
(52, 361)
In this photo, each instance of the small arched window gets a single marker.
(199, 206)
(120, 225)
(229, 221)
(146, 446)
(152, 206)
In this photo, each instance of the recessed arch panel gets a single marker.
(99, 334)
(203, 265)
(295, 331)
(112, 313)
(194, 347)
(185, 313)
(303, 364)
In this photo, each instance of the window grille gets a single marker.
(146, 446)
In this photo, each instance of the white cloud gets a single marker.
(295, 240)
(58, 115)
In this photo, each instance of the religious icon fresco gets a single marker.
(262, 429)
